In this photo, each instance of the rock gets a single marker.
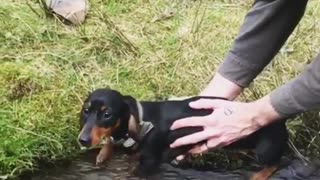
(74, 11)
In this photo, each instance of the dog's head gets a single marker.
(104, 114)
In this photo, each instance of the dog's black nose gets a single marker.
(85, 143)
(84, 137)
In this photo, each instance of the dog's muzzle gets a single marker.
(84, 137)
(92, 136)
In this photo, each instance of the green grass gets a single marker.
(47, 68)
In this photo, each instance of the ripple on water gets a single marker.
(119, 167)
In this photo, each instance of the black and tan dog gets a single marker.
(108, 113)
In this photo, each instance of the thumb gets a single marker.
(208, 103)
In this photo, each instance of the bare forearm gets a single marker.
(263, 112)
(222, 87)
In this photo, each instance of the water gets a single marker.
(119, 167)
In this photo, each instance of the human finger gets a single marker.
(191, 139)
(180, 157)
(199, 149)
(189, 122)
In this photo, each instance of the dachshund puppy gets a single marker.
(108, 114)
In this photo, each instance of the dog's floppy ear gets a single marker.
(132, 103)
(130, 100)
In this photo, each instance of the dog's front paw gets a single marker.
(104, 154)
(99, 160)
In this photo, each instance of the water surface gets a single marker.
(119, 167)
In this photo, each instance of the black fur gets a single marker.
(269, 142)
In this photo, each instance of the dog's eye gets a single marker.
(106, 115)
(86, 110)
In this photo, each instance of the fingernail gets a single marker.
(173, 126)
(191, 103)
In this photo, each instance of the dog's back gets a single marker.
(268, 143)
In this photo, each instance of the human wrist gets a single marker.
(263, 112)
(221, 87)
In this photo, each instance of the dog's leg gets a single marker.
(151, 154)
(104, 153)
(171, 154)
(271, 145)
(265, 173)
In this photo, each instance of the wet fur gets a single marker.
(269, 142)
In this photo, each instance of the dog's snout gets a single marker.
(84, 137)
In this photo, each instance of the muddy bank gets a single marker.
(119, 167)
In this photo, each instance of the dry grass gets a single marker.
(47, 67)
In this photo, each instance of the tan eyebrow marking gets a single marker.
(103, 108)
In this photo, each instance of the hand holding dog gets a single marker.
(229, 122)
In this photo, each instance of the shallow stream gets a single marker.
(119, 167)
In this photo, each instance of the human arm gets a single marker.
(265, 29)
(232, 121)
(301, 94)
(221, 87)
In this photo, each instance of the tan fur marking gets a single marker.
(265, 173)
(117, 124)
(133, 128)
(98, 133)
(103, 108)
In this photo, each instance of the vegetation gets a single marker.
(149, 49)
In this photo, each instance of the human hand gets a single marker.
(229, 122)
